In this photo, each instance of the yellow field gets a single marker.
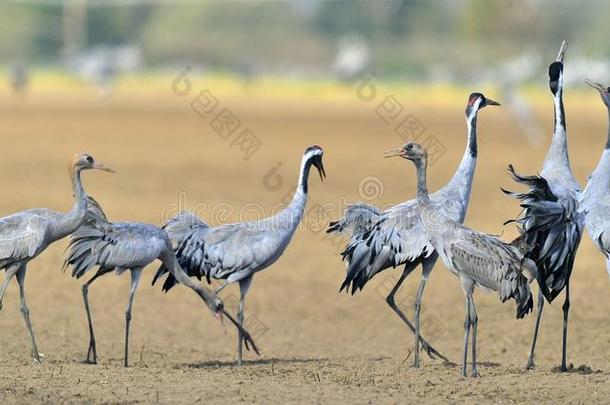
(317, 345)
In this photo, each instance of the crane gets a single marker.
(26, 234)
(383, 240)
(551, 219)
(126, 246)
(478, 259)
(595, 203)
(235, 252)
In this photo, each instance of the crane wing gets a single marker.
(22, 236)
(358, 218)
(494, 265)
(119, 246)
(396, 238)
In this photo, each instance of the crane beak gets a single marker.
(320, 166)
(491, 102)
(248, 341)
(102, 167)
(562, 52)
(597, 86)
(394, 152)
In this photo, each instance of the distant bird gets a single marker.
(235, 252)
(382, 240)
(478, 259)
(127, 246)
(18, 77)
(596, 197)
(24, 235)
(551, 220)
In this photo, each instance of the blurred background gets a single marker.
(456, 42)
(208, 105)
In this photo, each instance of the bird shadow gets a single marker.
(582, 369)
(258, 362)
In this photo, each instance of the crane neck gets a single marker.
(71, 220)
(557, 156)
(306, 163)
(423, 196)
(471, 124)
(599, 182)
(465, 171)
(608, 136)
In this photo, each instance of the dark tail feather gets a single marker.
(170, 281)
(334, 226)
(550, 232)
(525, 302)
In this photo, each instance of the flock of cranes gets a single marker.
(416, 232)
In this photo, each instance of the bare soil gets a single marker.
(318, 346)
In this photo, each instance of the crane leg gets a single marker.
(432, 352)
(221, 287)
(91, 352)
(530, 361)
(427, 266)
(474, 321)
(135, 279)
(8, 276)
(244, 286)
(566, 311)
(26, 312)
(467, 286)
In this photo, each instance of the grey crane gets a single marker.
(24, 235)
(382, 240)
(551, 219)
(595, 203)
(478, 259)
(235, 252)
(129, 246)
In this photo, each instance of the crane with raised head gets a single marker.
(396, 237)
(551, 219)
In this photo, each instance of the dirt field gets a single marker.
(318, 346)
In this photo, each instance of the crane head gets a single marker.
(411, 151)
(604, 91)
(314, 155)
(555, 76)
(84, 161)
(476, 101)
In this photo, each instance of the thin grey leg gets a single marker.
(474, 321)
(8, 276)
(427, 266)
(566, 312)
(466, 338)
(221, 287)
(91, 352)
(432, 352)
(135, 279)
(530, 361)
(26, 312)
(467, 287)
(244, 286)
